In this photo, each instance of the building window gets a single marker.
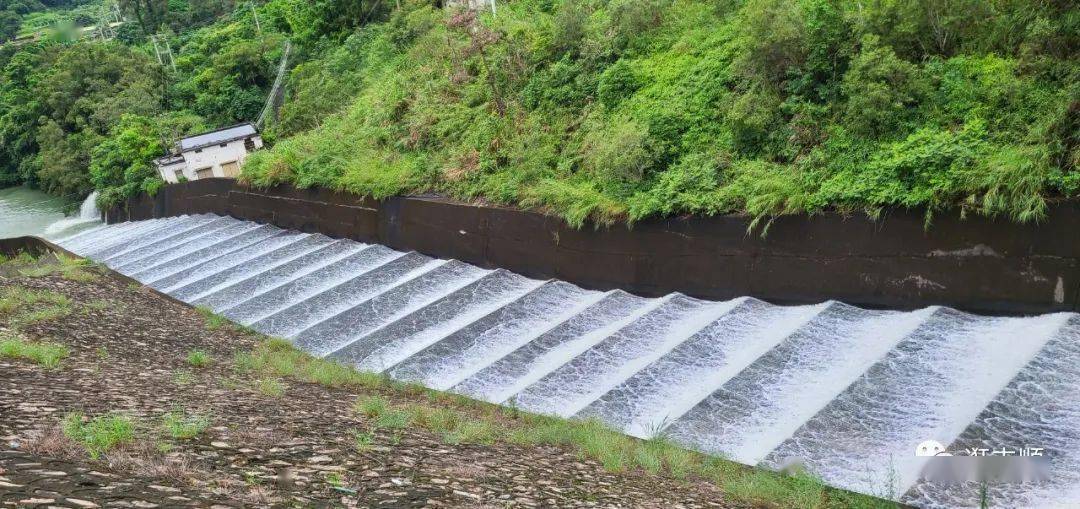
(224, 145)
(204, 173)
(180, 177)
(198, 151)
(249, 144)
(230, 169)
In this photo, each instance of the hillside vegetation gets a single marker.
(79, 115)
(612, 109)
(593, 110)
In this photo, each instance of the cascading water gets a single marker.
(88, 214)
(850, 392)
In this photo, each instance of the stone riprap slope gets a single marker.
(849, 392)
(263, 443)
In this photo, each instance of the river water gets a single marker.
(25, 211)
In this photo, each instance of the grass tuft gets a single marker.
(371, 406)
(278, 357)
(363, 439)
(182, 426)
(24, 306)
(100, 434)
(67, 267)
(270, 387)
(795, 491)
(46, 354)
(198, 359)
(394, 419)
(213, 320)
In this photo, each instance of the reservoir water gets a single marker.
(25, 211)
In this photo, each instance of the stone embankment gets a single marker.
(255, 442)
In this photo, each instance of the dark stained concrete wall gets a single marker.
(978, 264)
(36, 246)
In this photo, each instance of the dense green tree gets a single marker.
(59, 102)
(121, 164)
(9, 25)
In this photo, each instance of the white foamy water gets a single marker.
(848, 391)
(88, 214)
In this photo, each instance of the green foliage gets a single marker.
(225, 70)
(88, 115)
(881, 90)
(616, 83)
(198, 359)
(313, 21)
(10, 22)
(67, 267)
(57, 103)
(21, 306)
(595, 111)
(121, 163)
(371, 406)
(182, 426)
(271, 387)
(46, 354)
(604, 111)
(100, 434)
(213, 320)
(121, 166)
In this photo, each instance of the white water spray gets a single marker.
(88, 214)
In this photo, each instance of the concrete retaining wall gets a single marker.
(36, 246)
(977, 264)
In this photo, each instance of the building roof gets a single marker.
(219, 136)
(169, 160)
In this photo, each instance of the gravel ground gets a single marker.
(292, 449)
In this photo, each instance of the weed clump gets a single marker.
(67, 267)
(182, 426)
(198, 359)
(100, 434)
(23, 306)
(48, 355)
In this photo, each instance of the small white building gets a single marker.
(218, 153)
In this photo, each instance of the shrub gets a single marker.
(880, 90)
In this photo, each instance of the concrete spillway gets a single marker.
(848, 391)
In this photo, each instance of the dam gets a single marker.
(847, 392)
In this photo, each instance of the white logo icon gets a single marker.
(931, 448)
